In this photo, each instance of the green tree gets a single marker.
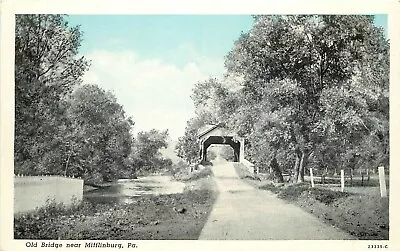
(310, 81)
(188, 146)
(206, 101)
(47, 69)
(146, 154)
(98, 141)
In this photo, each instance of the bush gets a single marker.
(365, 216)
(228, 153)
(326, 196)
(49, 221)
(292, 192)
(30, 225)
(179, 170)
(120, 221)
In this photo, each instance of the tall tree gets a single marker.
(98, 141)
(188, 147)
(309, 80)
(46, 70)
(205, 96)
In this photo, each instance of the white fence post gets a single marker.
(312, 177)
(342, 179)
(382, 181)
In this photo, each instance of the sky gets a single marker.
(152, 62)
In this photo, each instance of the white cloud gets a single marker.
(154, 92)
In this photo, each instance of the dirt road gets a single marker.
(242, 212)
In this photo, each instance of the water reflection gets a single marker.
(123, 190)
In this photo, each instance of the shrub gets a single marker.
(327, 196)
(51, 220)
(292, 192)
(30, 225)
(180, 170)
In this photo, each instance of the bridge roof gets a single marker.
(218, 130)
(206, 129)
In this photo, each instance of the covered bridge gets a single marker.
(219, 134)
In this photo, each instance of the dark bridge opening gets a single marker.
(221, 140)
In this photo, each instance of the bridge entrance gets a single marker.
(218, 134)
(217, 151)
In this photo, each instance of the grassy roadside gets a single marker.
(164, 217)
(363, 215)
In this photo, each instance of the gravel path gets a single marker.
(242, 212)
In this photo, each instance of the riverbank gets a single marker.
(162, 217)
(363, 214)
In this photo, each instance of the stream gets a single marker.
(123, 190)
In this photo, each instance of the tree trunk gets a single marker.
(302, 165)
(276, 170)
(66, 164)
(300, 177)
(296, 166)
(296, 169)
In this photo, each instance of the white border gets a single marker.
(8, 8)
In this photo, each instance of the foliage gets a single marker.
(363, 216)
(293, 192)
(327, 196)
(311, 91)
(227, 153)
(274, 166)
(179, 170)
(47, 69)
(38, 224)
(202, 173)
(87, 221)
(145, 154)
(196, 174)
(188, 147)
(314, 91)
(211, 155)
(244, 173)
(62, 127)
(206, 96)
(99, 141)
